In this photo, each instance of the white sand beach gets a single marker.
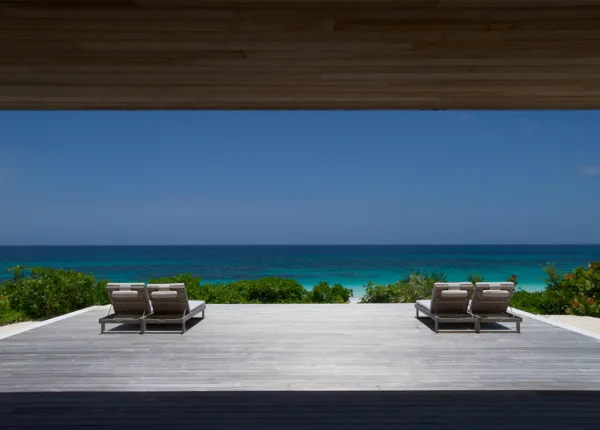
(590, 324)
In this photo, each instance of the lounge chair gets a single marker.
(130, 303)
(171, 305)
(449, 304)
(491, 301)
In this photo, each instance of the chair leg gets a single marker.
(101, 327)
(417, 312)
(182, 327)
(477, 326)
(437, 326)
(142, 327)
(518, 326)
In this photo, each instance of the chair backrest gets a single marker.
(451, 297)
(169, 299)
(129, 298)
(492, 297)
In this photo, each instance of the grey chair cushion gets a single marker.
(495, 285)
(495, 293)
(425, 304)
(163, 294)
(195, 304)
(125, 294)
(455, 293)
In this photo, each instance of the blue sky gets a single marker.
(299, 177)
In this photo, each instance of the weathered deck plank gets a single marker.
(297, 347)
(274, 367)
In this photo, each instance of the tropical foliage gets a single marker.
(40, 293)
(475, 278)
(265, 290)
(414, 286)
(573, 293)
(9, 315)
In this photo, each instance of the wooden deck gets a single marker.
(299, 366)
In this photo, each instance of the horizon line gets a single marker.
(322, 244)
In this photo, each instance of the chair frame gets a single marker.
(503, 316)
(447, 315)
(506, 317)
(114, 319)
(170, 319)
(161, 317)
(442, 318)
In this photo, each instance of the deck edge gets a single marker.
(556, 323)
(46, 322)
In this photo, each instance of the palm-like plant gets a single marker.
(418, 285)
(475, 278)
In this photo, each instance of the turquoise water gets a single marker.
(351, 266)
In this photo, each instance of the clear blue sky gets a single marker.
(299, 177)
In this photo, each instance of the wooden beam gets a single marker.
(300, 54)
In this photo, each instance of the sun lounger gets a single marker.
(170, 305)
(491, 301)
(130, 303)
(449, 304)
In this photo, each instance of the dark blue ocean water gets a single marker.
(352, 266)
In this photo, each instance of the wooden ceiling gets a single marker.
(299, 54)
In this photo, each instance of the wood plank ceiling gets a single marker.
(299, 54)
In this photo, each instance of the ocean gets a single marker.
(351, 266)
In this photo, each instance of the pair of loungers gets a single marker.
(152, 303)
(461, 302)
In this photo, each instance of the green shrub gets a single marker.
(537, 302)
(475, 278)
(39, 292)
(574, 293)
(273, 290)
(42, 292)
(192, 283)
(9, 315)
(230, 293)
(324, 293)
(265, 290)
(211, 293)
(578, 292)
(378, 293)
(415, 286)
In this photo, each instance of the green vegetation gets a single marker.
(39, 293)
(475, 278)
(323, 293)
(415, 286)
(265, 290)
(9, 315)
(573, 293)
